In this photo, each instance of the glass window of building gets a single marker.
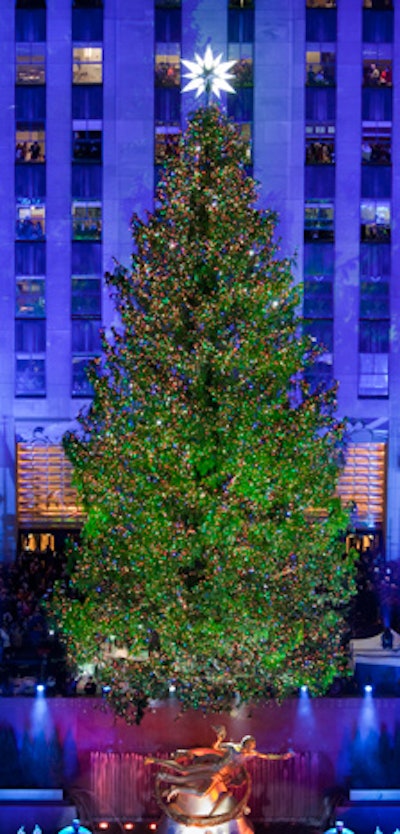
(168, 23)
(87, 65)
(321, 4)
(240, 106)
(321, 106)
(30, 22)
(320, 145)
(167, 106)
(376, 181)
(377, 23)
(30, 181)
(377, 72)
(375, 220)
(87, 145)
(30, 63)
(87, 181)
(241, 24)
(87, 102)
(87, 4)
(377, 104)
(319, 182)
(30, 104)
(31, 219)
(30, 336)
(87, 23)
(319, 219)
(376, 145)
(373, 375)
(318, 297)
(241, 4)
(374, 298)
(30, 299)
(30, 142)
(242, 53)
(86, 220)
(167, 65)
(30, 376)
(166, 143)
(86, 336)
(320, 68)
(375, 261)
(374, 336)
(30, 258)
(81, 386)
(86, 258)
(321, 24)
(86, 296)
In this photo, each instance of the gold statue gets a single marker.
(206, 786)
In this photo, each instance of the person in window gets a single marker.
(35, 151)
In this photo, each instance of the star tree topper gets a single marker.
(208, 74)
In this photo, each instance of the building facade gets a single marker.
(91, 108)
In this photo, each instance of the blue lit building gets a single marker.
(91, 106)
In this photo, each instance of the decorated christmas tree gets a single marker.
(212, 558)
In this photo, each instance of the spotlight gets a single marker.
(129, 826)
(103, 825)
(153, 826)
(368, 689)
(172, 688)
(40, 689)
(304, 689)
(106, 689)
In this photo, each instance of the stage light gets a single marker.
(304, 689)
(172, 688)
(153, 826)
(129, 826)
(106, 689)
(104, 825)
(40, 688)
(368, 689)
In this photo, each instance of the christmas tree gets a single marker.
(212, 555)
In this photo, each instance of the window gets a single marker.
(243, 69)
(87, 4)
(377, 104)
(86, 220)
(320, 68)
(167, 65)
(375, 261)
(86, 297)
(31, 215)
(30, 103)
(30, 377)
(30, 299)
(319, 182)
(320, 375)
(30, 142)
(373, 375)
(87, 145)
(375, 220)
(321, 330)
(87, 102)
(240, 106)
(86, 258)
(168, 24)
(87, 23)
(378, 4)
(30, 258)
(81, 386)
(378, 23)
(318, 297)
(321, 24)
(30, 181)
(87, 65)
(374, 298)
(376, 147)
(167, 106)
(30, 23)
(87, 181)
(320, 105)
(86, 336)
(241, 4)
(377, 73)
(319, 220)
(241, 25)
(376, 181)
(318, 151)
(30, 345)
(374, 336)
(319, 259)
(30, 63)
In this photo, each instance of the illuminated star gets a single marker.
(208, 74)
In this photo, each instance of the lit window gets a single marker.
(376, 146)
(30, 377)
(31, 215)
(86, 145)
(320, 68)
(166, 143)
(167, 65)
(30, 298)
(81, 386)
(87, 65)
(319, 220)
(377, 73)
(373, 376)
(375, 220)
(243, 69)
(30, 63)
(30, 345)
(30, 143)
(86, 220)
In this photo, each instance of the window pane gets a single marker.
(87, 24)
(30, 336)
(166, 144)
(86, 258)
(318, 259)
(30, 258)
(86, 221)
(30, 103)
(375, 261)
(86, 297)
(377, 73)
(86, 336)
(30, 63)
(167, 65)
(242, 53)
(87, 181)
(320, 104)
(378, 25)
(375, 220)
(320, 69)
(30, 377)
(376, 181)
(81, 386)
(30, 142)
(87, 65)
(319, 153)
(374, 336)
(374, 299)
(30, 181)
(30, 298)
(373, 375)
(86, 145)
(167, 105)
(30, 24)
(241, 25)
(321, 25)
(319, 221)
(322, 331)
(376, 148)
(30, 220)
(87, 102)
(240, 106)
(377, 104)
(319, 182)
(318, 297)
